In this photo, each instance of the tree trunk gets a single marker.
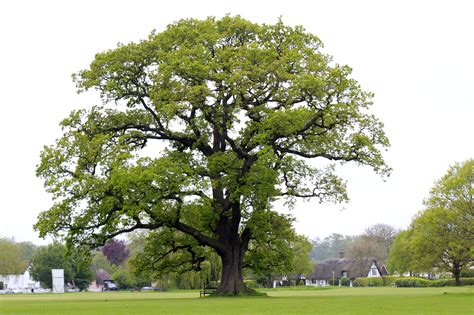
(457, 275)
(232, 280)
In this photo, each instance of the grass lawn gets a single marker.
(445, 300)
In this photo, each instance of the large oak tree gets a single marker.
(203, 126)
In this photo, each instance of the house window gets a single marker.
(344, 273)
(374, 271)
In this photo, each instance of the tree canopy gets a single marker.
(202, 127)
(375, 242)
(442, 235)
(116, 251)
(12, 260)
(53, 256)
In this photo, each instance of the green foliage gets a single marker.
(420, 282)
(402, 258)
(384, 281)
(76, 269)
(157, 258)
(203, 126)
(100, 261)
(345, 282)
(302, 263)
(451, 282)
(389, 280)
(168, 251)
(408, 282)
(368, 282)
(126, 277)
(82, 272)
(412, 282)
(334, 282)
(276, 246)
(47, 258)
(12, 257)
(252, 283)
(288, 300)
(441, 235)
(469, 273)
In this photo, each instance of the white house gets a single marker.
(20, 281)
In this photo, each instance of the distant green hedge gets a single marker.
(451, 282)
(420, 282)
(467, 273)
(408, 282)
(368, 282)
(384, 281)
(412, 282)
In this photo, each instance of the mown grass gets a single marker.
(446, 300)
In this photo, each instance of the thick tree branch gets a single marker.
(200, 237)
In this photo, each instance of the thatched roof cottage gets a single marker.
(336, 268)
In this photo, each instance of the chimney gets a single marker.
(341, 254)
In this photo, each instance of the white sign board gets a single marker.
(58, 280)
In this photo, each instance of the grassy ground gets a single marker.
(447, 300)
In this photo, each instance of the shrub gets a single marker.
(368, 282)
(467, 273)
(443, 283)
(389, 280)
(451, 282)
(251, 283)
(358, 282)
(467, 281)
(333, 283)
(412, 282)
(408, 282)
(344, 281)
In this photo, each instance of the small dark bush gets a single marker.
(344, 281)
(467, 273)
(333, 283)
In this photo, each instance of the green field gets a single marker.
(446, 300)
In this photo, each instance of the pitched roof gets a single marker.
(354, 267)
(101, 275)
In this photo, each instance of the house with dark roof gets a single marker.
(101, 278)
(336, 268)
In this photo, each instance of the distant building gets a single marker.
(22, 281)
(336, 268)
(101, 278)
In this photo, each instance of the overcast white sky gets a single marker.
(416, 56)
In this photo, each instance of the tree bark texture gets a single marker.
(232, 280)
